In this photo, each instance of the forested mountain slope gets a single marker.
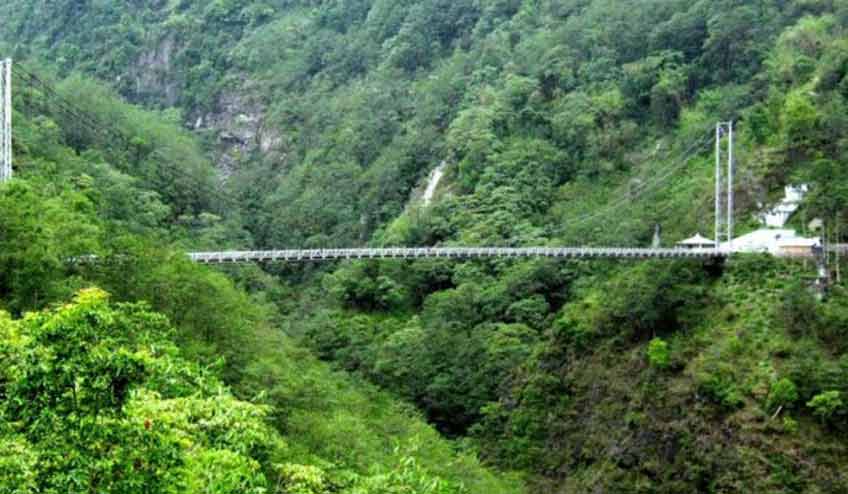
(364, 97)
(325, 117)
(182, 380)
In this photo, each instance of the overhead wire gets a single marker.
(673, 164)
(660, 180)
(640, 189)
(59, 100)
(96, 127)
(665, 208)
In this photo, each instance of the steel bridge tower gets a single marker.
(724, 186)
(5, 120)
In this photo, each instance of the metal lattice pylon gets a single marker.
(5, 120)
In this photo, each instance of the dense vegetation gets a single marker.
(609, 377)
(202, 395)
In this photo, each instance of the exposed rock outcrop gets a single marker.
(238, 119)
(240, 124)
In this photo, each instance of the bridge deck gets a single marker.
(449, 253)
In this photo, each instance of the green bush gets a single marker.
(827, 406)
(100, 400)
(790, 425)
(304, 479)
(531, 311)
(721, 388)
(783, 393)
(659, 355)
(18, 466)
(833, 327)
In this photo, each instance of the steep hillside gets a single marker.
(559, 122)
(183, 382)
(363, 98)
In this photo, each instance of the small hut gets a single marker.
(798, 247)
(697, 242)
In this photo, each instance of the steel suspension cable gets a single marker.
(641, 188)
(93, 124)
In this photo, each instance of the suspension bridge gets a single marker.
(724, 207)
(236, 257)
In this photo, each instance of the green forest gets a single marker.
(144, 130)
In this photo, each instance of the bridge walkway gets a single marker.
(305, 255)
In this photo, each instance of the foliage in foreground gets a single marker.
(97, 398)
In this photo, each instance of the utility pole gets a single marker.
(724, 218)
(5, 120)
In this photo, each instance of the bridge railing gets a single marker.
(295, 255)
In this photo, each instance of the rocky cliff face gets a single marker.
(239, 124)
(154, 75)
(237, 120)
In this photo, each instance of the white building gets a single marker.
(774, 238)
(778, 216)
(773, 241)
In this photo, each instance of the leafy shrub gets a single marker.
(790, 425)
(783, 393)
(222, 471)
(85, 397)
(17, 467)
(659, 355)
(721, 388)
(826, 406)
(530, 311)
(304, 479)
(362, 286)
(833, 327)
(407, 476)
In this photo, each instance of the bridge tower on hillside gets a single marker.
(5, 120)
(724, 186)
